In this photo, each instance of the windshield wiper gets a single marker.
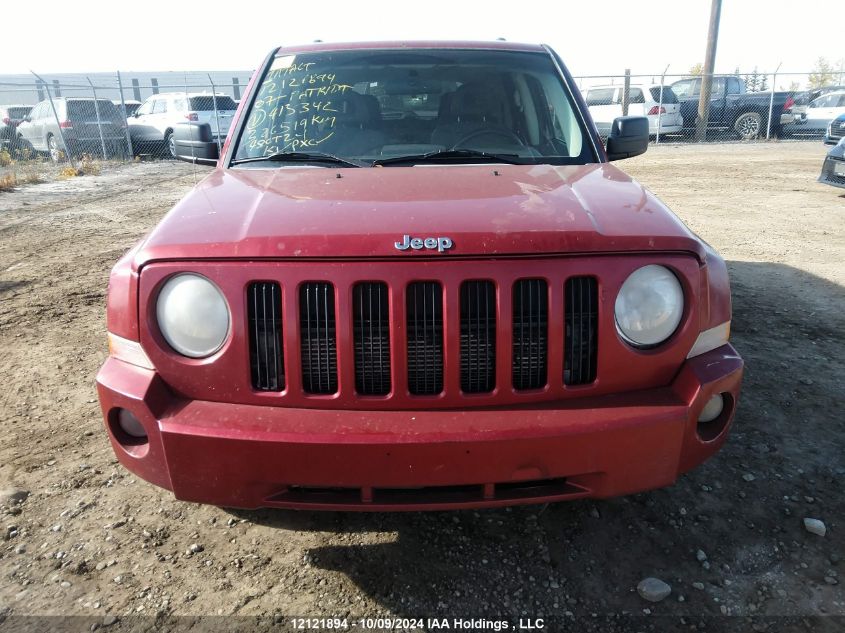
(299, 157)
(447, 155)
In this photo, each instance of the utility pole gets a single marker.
(707, 74)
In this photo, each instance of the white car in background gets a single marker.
(154, 121)
(823, 110)
(605, 104)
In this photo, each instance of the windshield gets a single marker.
(377, 104)
(669, 95)
(203, 104)
(600, 96)
(686, 88)
(84, 109)
(19, 113)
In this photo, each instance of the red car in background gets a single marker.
(413, 280)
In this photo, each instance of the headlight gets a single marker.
(649, 306)
(192, 315)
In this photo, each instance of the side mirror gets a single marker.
(195, 144)
(628, 137)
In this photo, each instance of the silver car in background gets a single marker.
(87, 127)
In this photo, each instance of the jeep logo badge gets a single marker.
(442, 244)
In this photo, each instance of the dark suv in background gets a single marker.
(10, 117)
(78, 120)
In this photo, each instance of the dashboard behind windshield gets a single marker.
(376, 104)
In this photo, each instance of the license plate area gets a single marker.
(839, 168)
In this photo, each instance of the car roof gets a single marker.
(76, 99)
(188, 94)
(315, 47)
(831, 93)
(632, 85)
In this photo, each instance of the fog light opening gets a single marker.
(130, 425)
(714, 417)
(712, 409)
(129, 432)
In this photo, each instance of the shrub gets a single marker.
(88, 166)
(8, 181)
(5, 158)
(69, 172)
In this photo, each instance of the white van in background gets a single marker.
(605, 104)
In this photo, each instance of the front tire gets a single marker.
(170, 144)
(749, 125)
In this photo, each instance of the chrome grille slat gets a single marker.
(318, 341)
(265, 346)
(581, 336)
(424, 318)
(372, 338)
(530, 333)
(478, 336)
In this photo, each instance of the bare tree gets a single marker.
(823, 74)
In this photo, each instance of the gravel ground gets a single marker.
(82, 537)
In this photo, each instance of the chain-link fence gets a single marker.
(123, 115)
(741, 106)
(111, 116)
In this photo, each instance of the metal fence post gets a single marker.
(772, 101)
(99, 121)
(58, 123)
(188, 108)
(125, 119)
(216, 118)
(660, 105)
(626, 92)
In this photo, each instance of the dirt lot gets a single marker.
(92, 540)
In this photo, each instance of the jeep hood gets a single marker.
(486, 210)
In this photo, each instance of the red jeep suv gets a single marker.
(413, 280)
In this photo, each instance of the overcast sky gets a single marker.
(593, 36)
